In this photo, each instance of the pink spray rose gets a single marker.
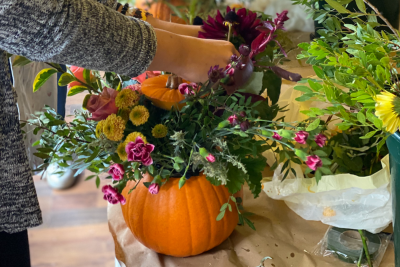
(116, 171)
(154, 188)
(301, 137)
(187, 88)
(135, 87)
(314, 162)
(146, 75)
(78, 73)
(112, 196)
(102, 105)
(320, 139)
(234, 120)
(210, 158)
(139, 151)
(277, 136)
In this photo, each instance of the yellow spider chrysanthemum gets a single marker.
(99, 128)
(114, 127)
(388, 110)
(160, 131)
(139, 115)
(127, 98)
(121, 151)
(132, 137)
(124, 113)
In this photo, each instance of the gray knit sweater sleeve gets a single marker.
(84, 33)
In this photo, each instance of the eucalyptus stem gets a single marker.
(383, 18)
(365, 248)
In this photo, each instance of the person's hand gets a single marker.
(181, 29)
(188, 57)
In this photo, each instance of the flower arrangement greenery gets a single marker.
(169, 127)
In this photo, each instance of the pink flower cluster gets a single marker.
(112, 196)
(138, 151)
(116, 171)
(187, 88)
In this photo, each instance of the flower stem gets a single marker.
(365, 248)
(187, 167)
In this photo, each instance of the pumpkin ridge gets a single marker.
(143, 216)
(210, 239)
(189, 222)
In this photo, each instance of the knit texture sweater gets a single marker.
(85, 33)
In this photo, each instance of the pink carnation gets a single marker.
(138, 151)
(154, 188)
(103, 105)
(301, 137)
(234, 120)
(277, 136)
(187, 88)
(231, 71)
(210, 158)
(320, 139)
(116, 171)
(314, 162)
(112, 196)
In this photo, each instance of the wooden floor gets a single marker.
(75, 230)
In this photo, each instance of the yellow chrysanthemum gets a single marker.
(388, 110)
(159, 131)
(99, 128)
(139, 115)
(124, 113)
(114, 127)
(127, 98)
(121, 151)
(132, 137)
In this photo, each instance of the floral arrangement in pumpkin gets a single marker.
(159, 127)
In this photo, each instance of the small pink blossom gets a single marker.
(154, 188)
(277, 136)
(187, 88)
(210, 158)
(116, 171)
(314, 162)
(135, 87)
(234, 120)
(112, 196)
(301, 137)
(230, 69)
(320, 139)
(138, 151)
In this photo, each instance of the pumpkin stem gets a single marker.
(173, 81)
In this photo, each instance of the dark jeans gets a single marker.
(14, 250)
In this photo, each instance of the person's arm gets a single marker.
(88, 34)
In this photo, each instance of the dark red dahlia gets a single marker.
(244, 24)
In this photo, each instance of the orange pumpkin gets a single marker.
(179, 222)
(163, 91)
(161, 11)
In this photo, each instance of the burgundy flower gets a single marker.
(154, 188)
(187, 88)
(277, 136)
(244, 23)
(210, 158)
(116, 171)
(280, 19)
(138, 151)
(215, 74)
(314, 162)
(234, 120)
(112, 196)
(244, 126)
(301, 137)
(320, 139)
(242, 114)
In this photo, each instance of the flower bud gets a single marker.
(244, 50)
(244, 126)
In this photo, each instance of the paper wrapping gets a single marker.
(281, 234)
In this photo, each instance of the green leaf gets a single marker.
(221, 215)
(314, 125)
(224, 206)
(320, 73)
(86, 76)
(36, 143)
(320, 153)
(42, 77)
(66, 79)
(272, 83)
(301, 154)
(361, 6)
(90, 177)
(41, 155)
(369, 135)
(325, 170)
(179, 160)
(94, 155)
(76, 90)
(303, 88)
(97, 181)
(233, 199)
(249, 223)
(230, 207)
(137, 174)
(182, 182)
(254, 84)
(20, 61)
(236, 179)
(337, 6)
(361, 117)
(318, 175)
